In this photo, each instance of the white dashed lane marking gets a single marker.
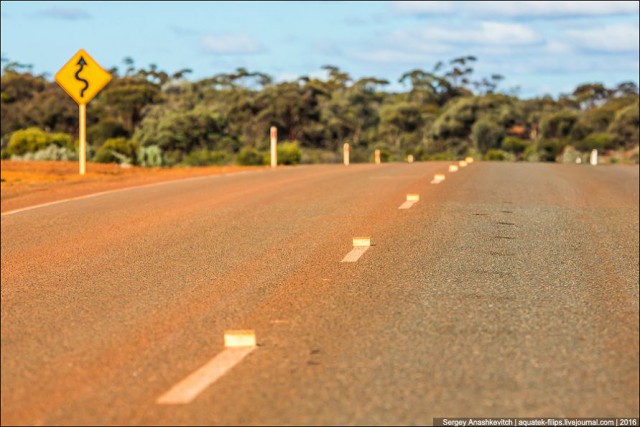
(360, 246)
(238, 345)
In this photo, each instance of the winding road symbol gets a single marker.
(82, 77)
(82, 63)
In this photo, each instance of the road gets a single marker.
(508, 290)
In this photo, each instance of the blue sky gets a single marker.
(542, 47)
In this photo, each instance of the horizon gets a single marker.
(544, 48)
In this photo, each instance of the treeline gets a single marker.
(149, 117)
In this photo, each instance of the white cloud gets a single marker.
(231, 44)
(557, 48)
(488, 33)
(611, 38)
(553, 8)
(388, 56)
(64, 13)
(546, 9)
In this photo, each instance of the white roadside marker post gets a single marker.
(377, 157)
(594, 157)
(410, 158)
(274, 144)
(345, 154)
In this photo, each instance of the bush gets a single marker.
(514, 145)
(206, 158)
(106, 129)
(531, 154)
(624, 128)
(600, 141)
(289, 153)
(447, 155)
(571, 155)
(150, 156)
(312, 155)
(250, 157)
(171, 157)
(54, 152)
(558, 125)
(487, 135)
(34, 139)
(117, 150)
(549, 149)
(27, 141)
(498, 155)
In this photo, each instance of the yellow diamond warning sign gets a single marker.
(82, 78)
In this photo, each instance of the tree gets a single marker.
(591, 94)
(487, 135)
(558, 125)
(624, 128)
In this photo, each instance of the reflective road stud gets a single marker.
(412, 199)
(462, 163)
(240, 338)
(469, 160)
(453, 168)
(361, 241)
(437, 179)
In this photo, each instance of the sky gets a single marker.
(540, 47)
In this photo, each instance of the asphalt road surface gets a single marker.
(508, 290)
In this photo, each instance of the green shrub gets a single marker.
(625, 127)
(250, 156)
(498, 155)
(27, 141)
(206, 158)
(171, 158)
(599, 141)
(150, 156)
(289, 153)
(447, 155)
(531, 154)
(571, 155)
(549, 149)
(117, 150)
(487, 134)
(5, 154)
(62, 140)
(98, 133)
(34, 139)
(558, 125)
(313, 155)
(514, 145)
(54, 152)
